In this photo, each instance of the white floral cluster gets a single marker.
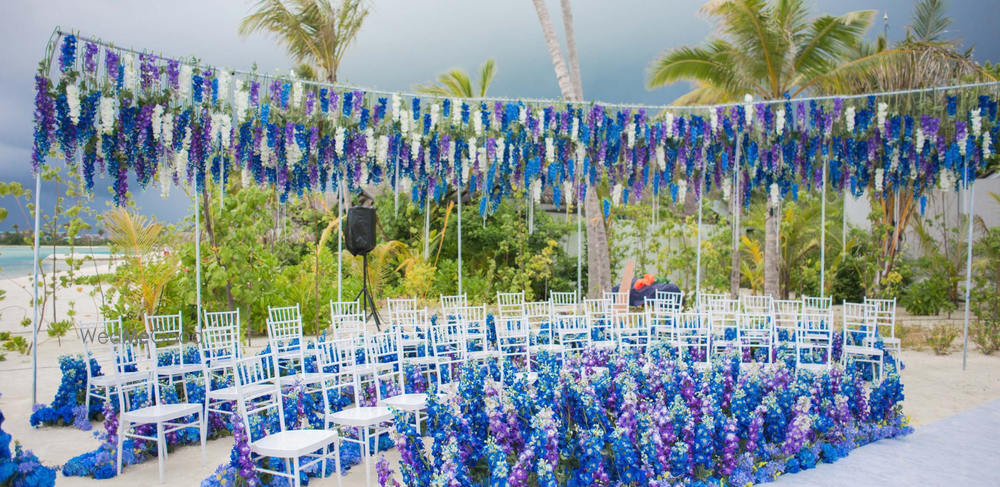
(775, 194)
(779, 124)
(849, 118)
(616, 194)
(879, 180)
(682, 189)
(536, 191)
(748, 108)
(977, 122)
(73, 101)
(883, 113)
(550, 150)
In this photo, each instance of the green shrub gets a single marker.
(986, 335)
(927, 298)
(941, 337)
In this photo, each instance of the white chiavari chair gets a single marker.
(382, 357)
(394, 306)
(814, 339)
(598, 315)
(885, 316)
(633, 330)
(564, 303)
(860, 333)
(99, 338)
(140, 403)
(695, 338)
(258, 398)
(724, 317)
(786, 318)
(347, 319)
(755, 332)
(166, 339)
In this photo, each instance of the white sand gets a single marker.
(935, 388)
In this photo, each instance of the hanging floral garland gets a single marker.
(166, 122)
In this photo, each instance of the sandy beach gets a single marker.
(935, 387)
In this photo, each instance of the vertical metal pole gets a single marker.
(822, 235)
(701, 199)
(459, 229)
(531, 214)
(968, 263)
(35, 313)
(197, 258)
(843, 229)
(395, 185)
(340, 242)
(427, 225)
(579, 251)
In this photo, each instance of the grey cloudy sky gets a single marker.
(404, 42)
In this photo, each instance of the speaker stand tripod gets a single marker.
(366, 295)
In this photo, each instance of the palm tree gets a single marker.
(765, 49)
(317, 32)
(147, 267)
(456, 82)
(927, 57)
(571, 87)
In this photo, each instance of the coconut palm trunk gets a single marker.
(598, 256)
(574, 60)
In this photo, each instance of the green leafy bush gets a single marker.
(927, 298)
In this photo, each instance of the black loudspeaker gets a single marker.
(359, 234)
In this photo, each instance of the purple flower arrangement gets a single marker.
(649, 420)
(541, 142)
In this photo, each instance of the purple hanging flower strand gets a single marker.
(90, 59)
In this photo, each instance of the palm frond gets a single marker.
(929, 22)
(486, 74)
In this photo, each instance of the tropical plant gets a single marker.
(927, 57)
(941, 336)
(317, 32)
(766, 49)
(752, 266)
(571, 87)
(148, 267)
(456, 82)
(985, 331)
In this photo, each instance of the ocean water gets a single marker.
(16, 260)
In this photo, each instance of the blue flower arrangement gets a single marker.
(67, 408)
(651, 419)
(21, 468)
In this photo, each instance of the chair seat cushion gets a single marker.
(361, 416)
(160, 413)
(293, 443)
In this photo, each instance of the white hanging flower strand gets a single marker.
(107, 115)
(682, 188)
(184, 79)
(73, 100)
(775, 194)
(849, 118)
(157, 121)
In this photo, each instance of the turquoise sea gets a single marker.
(16, 260)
